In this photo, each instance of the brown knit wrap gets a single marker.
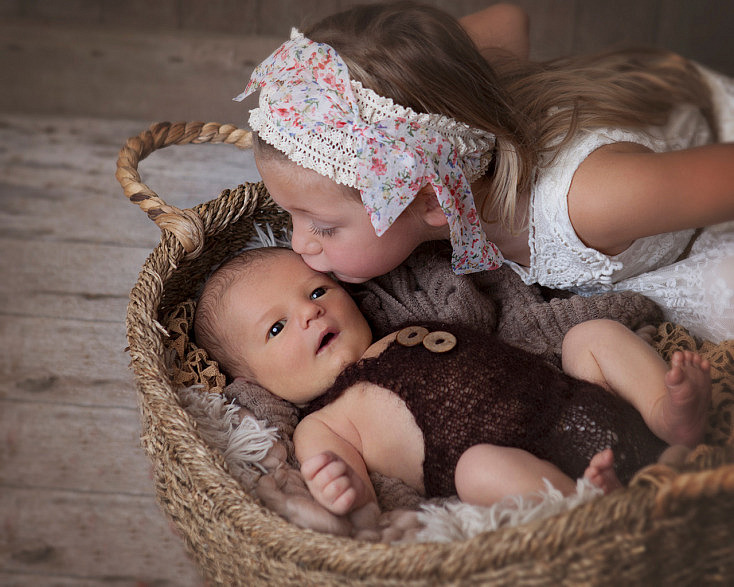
(483, 391)
(424, 288)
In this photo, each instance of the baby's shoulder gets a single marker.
(363, 410)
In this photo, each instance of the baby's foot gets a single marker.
(682, 411)
(601, 471)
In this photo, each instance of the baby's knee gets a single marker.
(482, 473)
(584, 336)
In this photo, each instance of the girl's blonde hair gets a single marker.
(422, 58)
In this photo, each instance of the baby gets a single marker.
(448, 410)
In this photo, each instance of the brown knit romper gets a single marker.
(485, 391)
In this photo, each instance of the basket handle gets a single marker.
(186, 225)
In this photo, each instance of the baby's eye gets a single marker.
(276, 329)
(322, 232)
(318, 292)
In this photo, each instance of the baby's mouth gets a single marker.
(326, 340)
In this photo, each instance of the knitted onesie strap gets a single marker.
(319, 118)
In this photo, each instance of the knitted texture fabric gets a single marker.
(265, 406)
(424, 289)
(485, 391)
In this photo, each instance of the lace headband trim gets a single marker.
(321, 119)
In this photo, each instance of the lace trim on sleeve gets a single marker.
(558, 258)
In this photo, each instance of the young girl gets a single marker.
(450, 412)
(383, 127)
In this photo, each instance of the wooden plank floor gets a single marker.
(76, 499)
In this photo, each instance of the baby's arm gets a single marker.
(500, 26)
(623, 191)
(332, 467)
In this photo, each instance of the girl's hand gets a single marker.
(333, 483)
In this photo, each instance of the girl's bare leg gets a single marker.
(673, 400)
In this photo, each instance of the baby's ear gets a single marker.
(428, 207)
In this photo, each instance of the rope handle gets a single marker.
(186, 225)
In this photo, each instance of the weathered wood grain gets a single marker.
(111, 72)
(82, 281)
(69, 537)
(76, 500)
(57, 179)
(64, 361)
(72, 447)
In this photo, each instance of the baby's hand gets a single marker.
(332, 482)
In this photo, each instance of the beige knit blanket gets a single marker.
(422, 289)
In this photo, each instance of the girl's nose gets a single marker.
(303, 242)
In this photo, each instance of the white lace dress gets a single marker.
(697, 291)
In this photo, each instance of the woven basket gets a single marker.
(667, 527)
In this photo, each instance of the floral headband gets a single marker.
(321, 119)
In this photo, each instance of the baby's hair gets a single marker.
(422, 58)
(211, 333)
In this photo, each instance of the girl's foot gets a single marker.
(601, 471)
(682, 410)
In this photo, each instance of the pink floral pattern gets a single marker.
(306, 91)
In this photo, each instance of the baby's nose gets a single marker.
(310, 311)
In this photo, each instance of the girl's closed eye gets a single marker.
(322, 232)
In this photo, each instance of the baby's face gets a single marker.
(296, 328)
(331, 228)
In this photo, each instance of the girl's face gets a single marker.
(332, 230)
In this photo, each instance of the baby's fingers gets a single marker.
(329, 479)
(312, 465)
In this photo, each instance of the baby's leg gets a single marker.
(672, 401)
(485, 474)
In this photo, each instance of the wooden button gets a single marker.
(412, 335)
(439, 341)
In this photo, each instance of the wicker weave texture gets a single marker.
(667, 527)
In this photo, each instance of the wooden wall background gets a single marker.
(185, 59)
(78, 77)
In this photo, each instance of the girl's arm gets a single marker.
(623, 192)
(500, 26)
(332, 467)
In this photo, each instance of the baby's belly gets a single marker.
(392, 443)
